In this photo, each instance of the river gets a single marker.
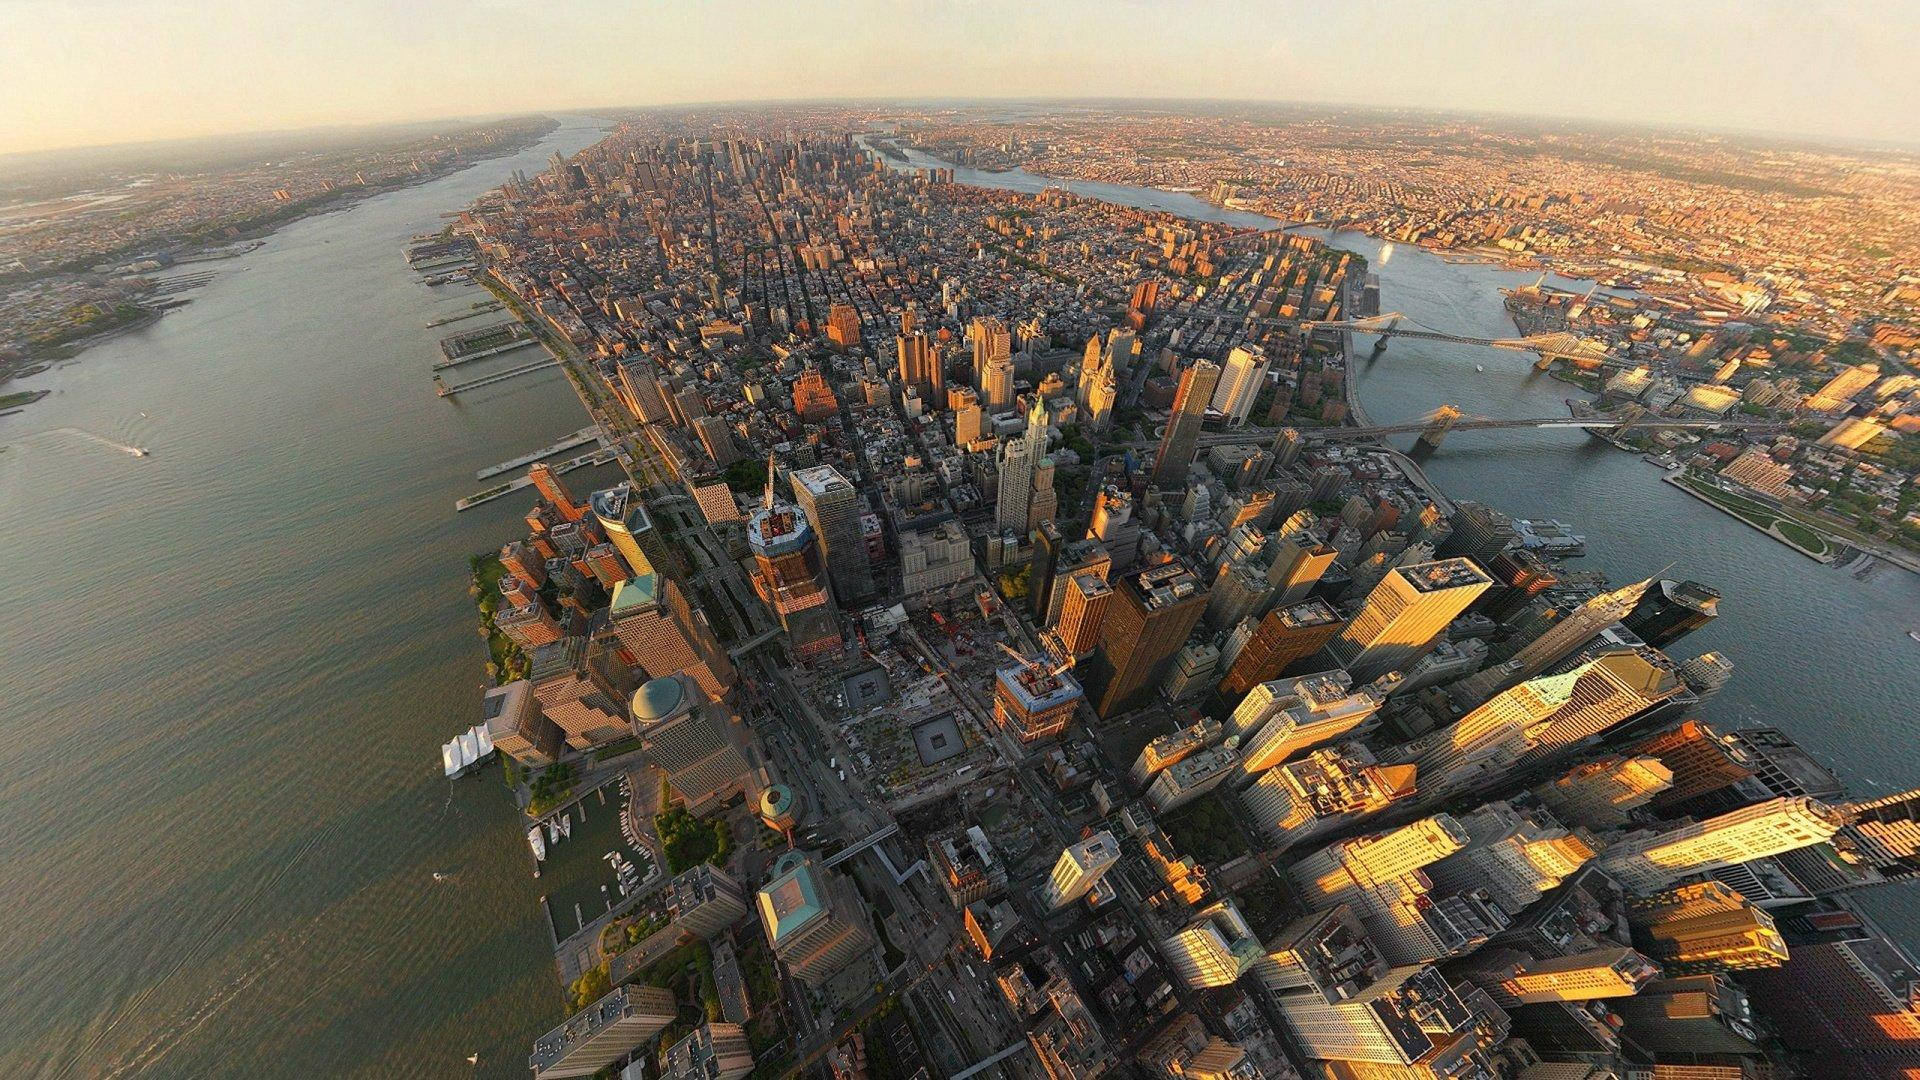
(1817, 653)
(229, 668)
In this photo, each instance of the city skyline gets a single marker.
(1824, 74)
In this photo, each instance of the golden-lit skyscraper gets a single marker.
(990, 341)
(661, 634)
(1083, 611)
(1285, 637)
(790, 578)
(629, 528)
(843, 325)
(548, 484)
(1299, 561)
(1406, 614)
(1705, 926)
(1648, 861)
(1152, 611)
(1174, 459)
(834, 509)
(920, 368)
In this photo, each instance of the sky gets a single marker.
(94, 72)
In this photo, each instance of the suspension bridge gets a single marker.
(1558, 345)
(1436, 425)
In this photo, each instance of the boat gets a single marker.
(1914, 634)
(537, 843)
(1479, 367)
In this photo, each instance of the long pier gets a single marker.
(445, 389)
(602, 456)
(579, 438)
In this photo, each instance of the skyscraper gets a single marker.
(1022, 460)
(1284, 718)
(1671, 610)
(1557, 642)
(712, 1051)
(1406, 614)
(1073, 558)
(920, 368)
(996, 383)
(603, 1032)
(991, 341)
(1299, 561)
(969, 421)
(1032, 702)
(660, 633)
(1332, 787)
(843, 325)
(1240, 382)
(834, 508)
(813, 918)
(689, 738)
(1214, 949)
(630, 529)
(1598, 794)
(1537, 720)
(1409, 1023)
(1152, 611)
(704, 901)
(548, 484)
(1608, 972)
(1286, 636)
(789, 576)
(1337, 872)
(1175, 457)
(1705, 926)
(1079, 868)
(1648, 861)
(1082, 613)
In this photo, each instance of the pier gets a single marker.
(602, 456)
(445, 389)
(485, 307)
(579, 438)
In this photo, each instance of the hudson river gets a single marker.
(229, 667)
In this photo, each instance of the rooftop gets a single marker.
(1443, 574)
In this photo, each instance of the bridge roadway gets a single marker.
(1466, 424)
(1563, 345)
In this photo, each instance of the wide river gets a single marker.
(229, 667)
(1816, 652)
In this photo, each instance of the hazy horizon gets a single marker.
(162, 70)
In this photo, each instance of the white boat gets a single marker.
(553, 832)
(1914, 634)
(1479, 367)
(449, 761)
(538, 843)
(566, 826)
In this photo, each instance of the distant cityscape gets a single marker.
(1012, 650)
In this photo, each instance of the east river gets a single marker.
(228, 669)
(1817, 653)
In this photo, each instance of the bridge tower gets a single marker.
(1380, 345)
(1437, 427)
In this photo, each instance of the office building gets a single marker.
(934, 559)
(813, 918)
(1239, 591)
(1516, 979)
(1284, 718)
(1332, 787)
(1025, 470)
(1285, 637)
(965, 865)
(834, 509)
(1033, 702)
(1515, 854)
(1558, 641)
(1152, 611)
(517, 726)
(1335, 873)
(1701, 760)
(1079, 869)
(1189, 778)
(1845, 1002)
(1214, 949)
(1299, 562)
(920, 368)
(843, 325)
(1705, 926)
(1326, 954)
(548, 484)
(1690, 1015)
(1239, 383)
(1598, 794)
(1174, 459)
(690, 738)
(1649, 861)
(712, 1051)
(629, 529)
(991, 342)
(659, 633)
(1670, 610)
(704, 901)
(1540, 719)
(813, 399)
(1163, 750)
(969, 419)
(1083, 612)
(1069, 560)
(790, 578)
(576, 688)
(603, 1032)
(996, 384)
(1410, 1024)
(1406, 615)
(1193, 671)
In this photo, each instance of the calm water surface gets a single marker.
(228, 669)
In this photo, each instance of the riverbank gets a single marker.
(253, 234)
(1757, 514)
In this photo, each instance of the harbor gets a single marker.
(602, 456)
(446, 389)
(471, 345)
